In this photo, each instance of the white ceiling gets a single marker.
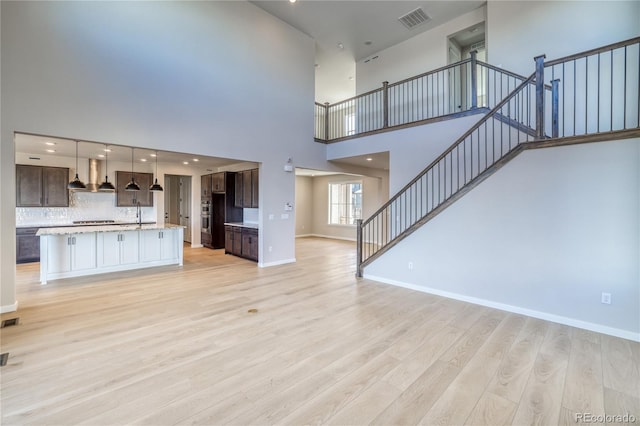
(35, 145)
(353, 24)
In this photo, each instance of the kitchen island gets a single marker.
(86, 250)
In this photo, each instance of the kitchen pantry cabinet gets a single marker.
(131, 198)
(38, 186)
(205, 187)
(247, 189)
(241, 241)
(218, 182)
(27, 245)
(118, 248)
(71, 252)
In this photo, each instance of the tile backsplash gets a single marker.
(82, 206)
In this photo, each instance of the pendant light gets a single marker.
(106, 185)
(76, 183)
(132, 186)
(156, 186)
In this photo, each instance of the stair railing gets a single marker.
(472, 158)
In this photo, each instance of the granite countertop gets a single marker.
(104, 228)
(243, 224)
(70, 224)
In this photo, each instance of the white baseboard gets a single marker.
(196, 246)
(331, 237)
(276, 263)
(8, 308)
(304, 235)
(598, 328)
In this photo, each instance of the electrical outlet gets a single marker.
(411, 266)
(270, 249)
(606, 298)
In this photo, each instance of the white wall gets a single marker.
(545, 235)
(304, 205)
(424, 52)
(222, 79)
(520, 30)
(410, 150)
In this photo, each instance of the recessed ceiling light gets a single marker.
(106, 150)
(369, 159)
(292, 1)
(143, 160)
(340, 46)
(196, 160)
(185, 162)
(101, 155)
(50, 143)
(51, 150)
(152, 155)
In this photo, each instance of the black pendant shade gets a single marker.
(132, 186)
(106, 185)
(76, 183)
(156, 186)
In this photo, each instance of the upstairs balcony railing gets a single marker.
(459, 89)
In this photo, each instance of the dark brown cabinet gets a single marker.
(131, 198)
(205, 186)
(241, 241)
(218, 182)
(27, 245)
(250, 243)
(247, 187)
(38, 186)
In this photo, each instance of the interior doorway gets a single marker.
(177, 202)
(459, 47)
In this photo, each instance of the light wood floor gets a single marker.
(178, 346)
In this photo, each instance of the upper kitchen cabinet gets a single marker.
(218, 182)
(247, 189)
(205, 186)
(38, 186)
(131, 198)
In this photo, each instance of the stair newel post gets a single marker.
(359, 248)
(474, 79)
(555, 130)
(385, 104)
(326, 121)
(540, 96)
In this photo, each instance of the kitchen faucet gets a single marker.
(139, 213)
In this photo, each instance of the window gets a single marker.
(345, 203)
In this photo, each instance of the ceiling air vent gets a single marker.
(414, 18)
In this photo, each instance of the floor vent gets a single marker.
(3, 359)
(414, 18)
(9, 322)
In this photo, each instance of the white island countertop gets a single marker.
(105, 228)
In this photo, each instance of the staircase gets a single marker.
(592, 96)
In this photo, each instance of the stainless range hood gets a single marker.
(97, 173)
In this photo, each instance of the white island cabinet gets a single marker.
(70, 252)
(75, 251)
